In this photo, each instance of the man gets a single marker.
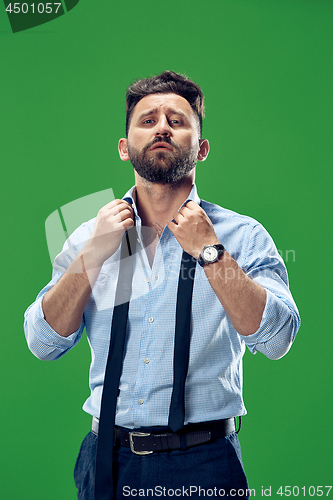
(172, 436)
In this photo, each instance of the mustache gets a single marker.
(161, 139)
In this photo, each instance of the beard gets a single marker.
(164, 166)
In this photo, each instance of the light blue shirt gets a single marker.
(214, 382)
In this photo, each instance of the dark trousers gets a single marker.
(210, 470)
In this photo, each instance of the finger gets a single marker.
(184, 210)
(113, 204)
(120, 207)
(191, 205)
(172, 225)
(115, 222)
(127, 223)
(177, 217)
(127, 213)
(122, 203)
(116, 206)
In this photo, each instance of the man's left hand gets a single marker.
(193, 229)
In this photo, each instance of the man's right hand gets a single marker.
(64, 303)
(111, 223)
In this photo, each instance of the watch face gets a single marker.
(210, 254)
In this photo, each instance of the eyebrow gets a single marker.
(155, 110)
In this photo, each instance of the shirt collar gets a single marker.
(130, 197)
(193, 196)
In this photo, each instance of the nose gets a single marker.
(163, 127)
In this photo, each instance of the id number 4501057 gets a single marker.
(311, 491)
(38, 8)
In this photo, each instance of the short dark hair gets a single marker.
(165, 83)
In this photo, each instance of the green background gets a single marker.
(265, 67)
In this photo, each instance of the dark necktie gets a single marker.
(182, 341)
(104, 457)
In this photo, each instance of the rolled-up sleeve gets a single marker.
(43, 341)
(280, 321)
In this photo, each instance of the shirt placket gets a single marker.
(148, 339)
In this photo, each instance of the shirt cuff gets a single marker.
(43, 340)
(278, 322)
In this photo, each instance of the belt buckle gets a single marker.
(133, 450)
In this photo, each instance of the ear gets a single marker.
(122, 148)
(203, 149)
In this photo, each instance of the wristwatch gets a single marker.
(210, 254)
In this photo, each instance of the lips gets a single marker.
(161, 145)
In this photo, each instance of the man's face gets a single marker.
(163, 138)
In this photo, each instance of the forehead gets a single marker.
(163, 103)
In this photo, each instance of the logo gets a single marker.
(63, 221)
(59, 227)
(26, 15)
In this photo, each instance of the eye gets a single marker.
(177, 122)
(149, 120)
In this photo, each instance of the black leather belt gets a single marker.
(145, 443)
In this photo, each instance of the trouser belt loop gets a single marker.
(239, 424)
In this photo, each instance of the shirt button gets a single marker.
(139, 241)
(147, 279)
(157, 277)
(140, 401)
(151, 319)
(146, 361)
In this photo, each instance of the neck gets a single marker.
(157, 203)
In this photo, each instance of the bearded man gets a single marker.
(171, 289)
